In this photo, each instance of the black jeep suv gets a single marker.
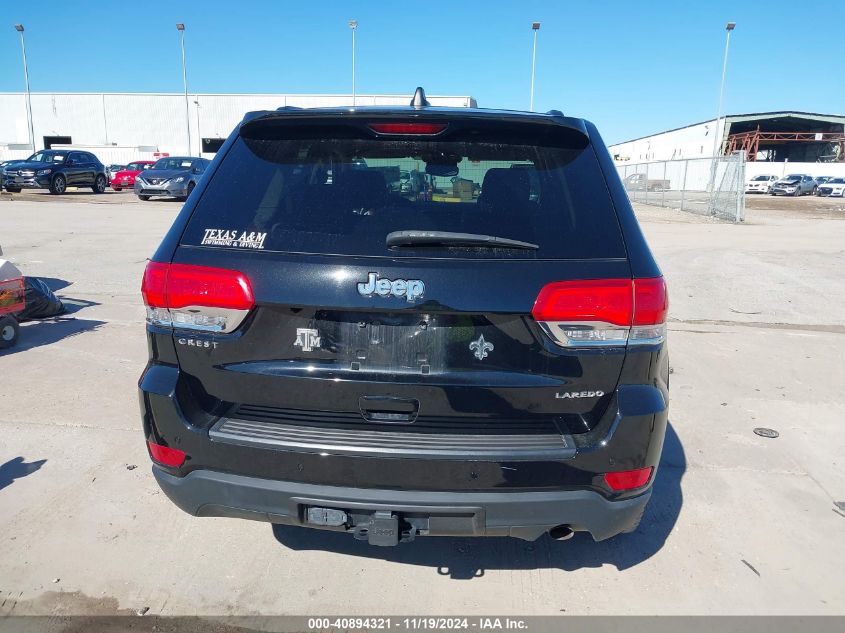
(57, 170)
(329, 353)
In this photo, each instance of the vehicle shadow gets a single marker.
(73, 306)
(80, 191)
(42, 332)
(17, 468)
(467, 558)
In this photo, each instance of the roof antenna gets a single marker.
(419, 99)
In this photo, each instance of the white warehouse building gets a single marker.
(767, 137)
(120, 127)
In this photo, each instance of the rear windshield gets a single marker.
(346, 195)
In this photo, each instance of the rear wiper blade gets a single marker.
(446, 238)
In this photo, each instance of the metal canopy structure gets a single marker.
(786, 135)
(750, 142)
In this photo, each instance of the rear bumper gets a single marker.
(520, 493)
(525, 515)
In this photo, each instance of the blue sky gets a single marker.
(633, 67)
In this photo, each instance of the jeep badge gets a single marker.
(411, 289)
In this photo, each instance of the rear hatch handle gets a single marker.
(389, 409)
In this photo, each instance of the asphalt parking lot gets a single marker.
(738, 524)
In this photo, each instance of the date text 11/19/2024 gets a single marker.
(421, 623)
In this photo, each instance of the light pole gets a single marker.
(199, 132)
(181, 28)
(535, 26)
(19, 29)
(730, 26)
(353, 24)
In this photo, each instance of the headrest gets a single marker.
(369, 180)
(505, 186)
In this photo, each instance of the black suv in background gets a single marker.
(330, 353)
(56, 170)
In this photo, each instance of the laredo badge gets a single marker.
(578, 394)
(233, 239)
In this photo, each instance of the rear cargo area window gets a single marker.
(344, 196)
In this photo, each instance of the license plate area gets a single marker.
(402, 344)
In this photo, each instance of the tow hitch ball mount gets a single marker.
(384, 530)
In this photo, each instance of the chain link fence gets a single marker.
(697, 185)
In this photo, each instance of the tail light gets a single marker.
(603, 312)
(628, 479)
(196, 297)
(166, 455)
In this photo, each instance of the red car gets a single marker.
(125, 178)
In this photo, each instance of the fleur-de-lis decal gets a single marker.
(480, 348)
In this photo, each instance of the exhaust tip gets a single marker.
(562, 532)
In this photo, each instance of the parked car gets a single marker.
(794, 185)
(171, 177)
(415, 184)
(112, 169)
(3, 165)
(833, 187)
(760, 184)
(125, 178)
(341, 357)
(641, 182)
(820, 180)
(57, 170)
